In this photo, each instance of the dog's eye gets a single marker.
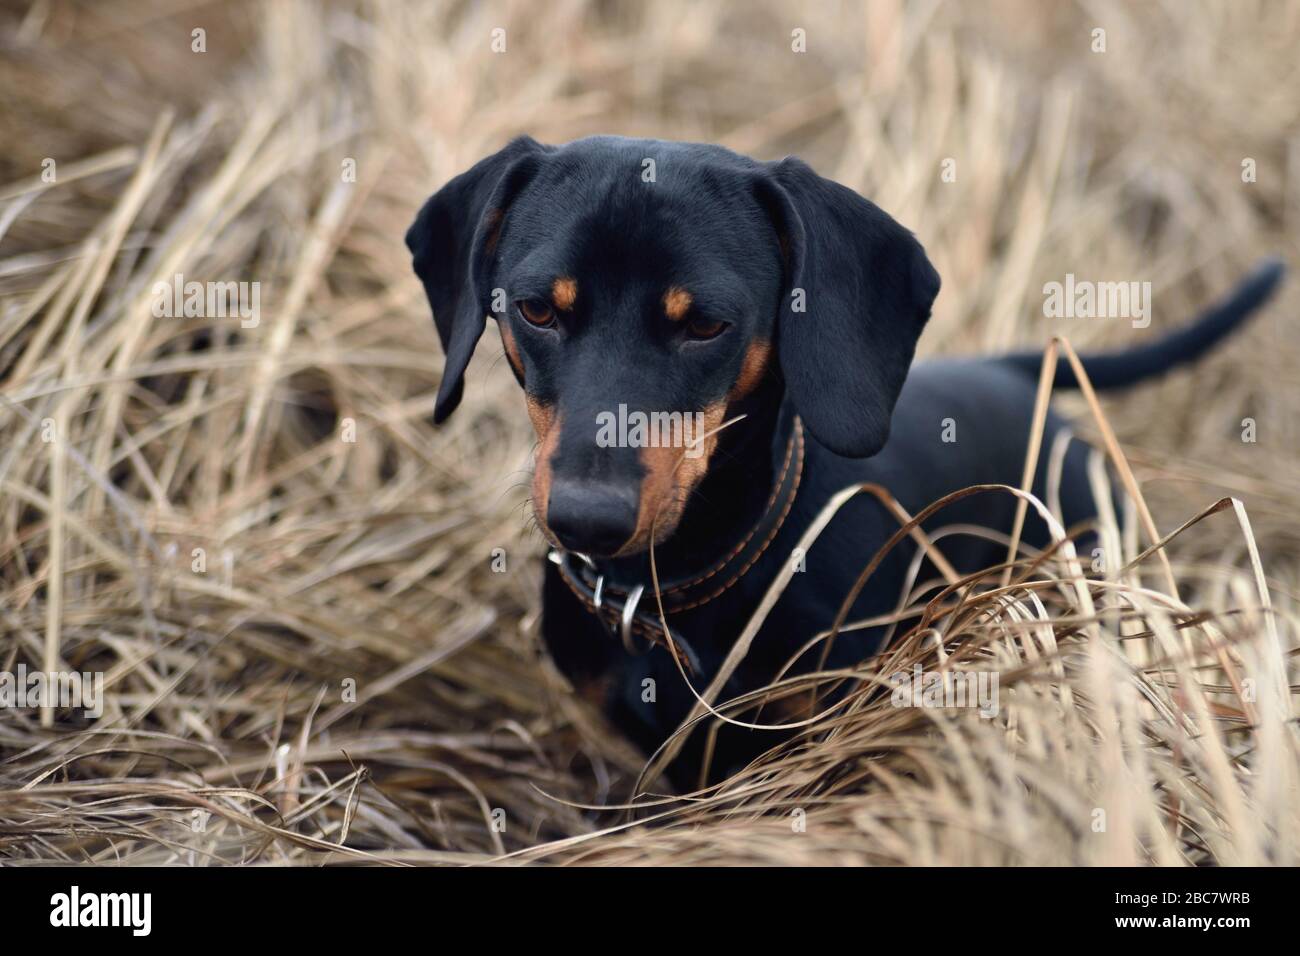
(536, 312)
(702, 329)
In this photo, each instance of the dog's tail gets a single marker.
(1108, 370)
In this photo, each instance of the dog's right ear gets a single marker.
(452, 242)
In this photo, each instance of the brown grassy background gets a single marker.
(331, 561)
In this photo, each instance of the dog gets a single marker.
(765, 318)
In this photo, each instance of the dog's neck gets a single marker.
(730, 501)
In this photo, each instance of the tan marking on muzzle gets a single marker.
(667, 485)
(665, 491)
(546, 422)
(752, 369)
(512, 351)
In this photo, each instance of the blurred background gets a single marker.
(289, 142)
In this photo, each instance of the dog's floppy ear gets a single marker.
(858, 292)
(452, 242)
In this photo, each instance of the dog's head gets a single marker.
(643, 291)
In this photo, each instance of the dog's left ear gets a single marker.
(452, 242)
(858, 293)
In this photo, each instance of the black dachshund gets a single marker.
(649, 294)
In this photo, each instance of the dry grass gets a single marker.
(1159, 693)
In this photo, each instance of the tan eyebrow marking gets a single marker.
(564, 292)
(676, 301)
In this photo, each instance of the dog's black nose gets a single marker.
(591, 518)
